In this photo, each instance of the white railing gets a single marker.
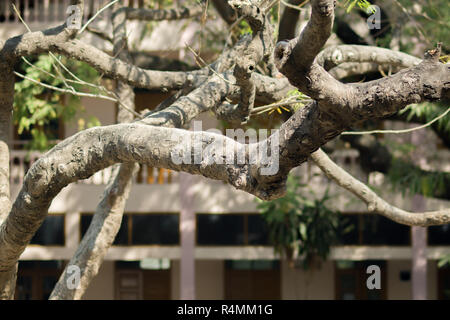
(48, 11)
(21, 161)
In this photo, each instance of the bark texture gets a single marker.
(374, 203)
(229, 87)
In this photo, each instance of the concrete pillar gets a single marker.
(419, 263)
(187, 234)
(72, 230)
(419, 234)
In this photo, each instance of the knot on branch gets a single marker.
(435, 53)
(283, 50)
(252, 13)
(228, 112)
(324, 7)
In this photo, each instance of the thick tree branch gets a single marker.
(225, 11)
(315, 34)
(8, 58)
(164, 14)
(288, 21)
(336, 55)
(375, 156)
(109, 213)
(374, 202)
(7, 277)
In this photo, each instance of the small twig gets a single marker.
(76, 93)
(207, 65)
(398, 131)
(96, 15)
(299, 7)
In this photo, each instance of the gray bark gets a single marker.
(374, 203)
(109, 213)
(154, 140)
(7, 275)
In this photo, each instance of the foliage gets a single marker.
(300, 223)
(362, 4)
(409, 178)
(444, 261)
(429, 111)
(37, 109)
(431, 18)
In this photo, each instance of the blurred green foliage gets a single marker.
(37, 108)
(300, 221)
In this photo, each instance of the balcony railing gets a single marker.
(50, 11)
(21, 161)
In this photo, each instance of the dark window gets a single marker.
(122, 234)
(155, 229)
(369, 229)
(351, 280)
(51, 231)
(348, 232)
(252, 279)
(128, 265)
(24, 288)
(252, 264)
(216, 229)
(444, 283)
(258, 231)
(439, 235)
(36, 279)
(378, 230)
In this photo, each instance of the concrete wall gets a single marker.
(103, 110)
(102, 286)
(209, 279)
(398, 289)
(298, 284)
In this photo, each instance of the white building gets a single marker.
(232, 256)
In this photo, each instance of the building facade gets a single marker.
(232, 254)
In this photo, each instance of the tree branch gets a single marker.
(336, 55)
(164, 14)
(109, 213)
(374, 202)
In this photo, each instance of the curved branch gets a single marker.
(163, 14)
(289, 20)
(336, 55)
(374, 202)
(225, 11)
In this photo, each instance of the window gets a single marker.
(232, 229)
(252, 264)
(36, 279)
(135, 282)
(370, 229)
(351, 279)
(439, 235)
(51, 232)
(227, 229)
(378, 230)
(122, 234)
(348, 232)
(258, 230)
(252, 279)
(143, 229)
(155, 229)
(444, 283)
